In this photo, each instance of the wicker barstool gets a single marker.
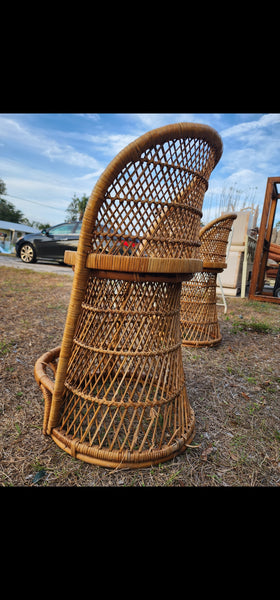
(199, 318)
(117, 396)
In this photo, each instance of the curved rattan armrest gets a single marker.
(135, 264)
(47, 360)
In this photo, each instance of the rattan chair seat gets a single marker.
(134, 264)
(211, 265)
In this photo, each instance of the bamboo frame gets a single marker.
(199, 318)
(119, 397)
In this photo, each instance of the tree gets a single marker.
(8, 212)
(40, 226)
(77, 207)
(3, 189)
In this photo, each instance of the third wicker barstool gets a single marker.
(118, 396)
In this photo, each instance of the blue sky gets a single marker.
(47, 158)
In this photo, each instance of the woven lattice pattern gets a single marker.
(125, 388)
(153, 207)
(214, 239)
(199, 319)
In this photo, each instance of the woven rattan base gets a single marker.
(199, 319)
(125, 401)
(124, 460)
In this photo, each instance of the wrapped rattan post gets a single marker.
(119, 398)
(199, 318)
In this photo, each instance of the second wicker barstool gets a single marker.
(199, 318)
(118, 397)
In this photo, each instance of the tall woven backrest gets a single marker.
(172, 169)
(119, 394)
(214, 240)
(199, 319)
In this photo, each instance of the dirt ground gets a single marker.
(233, 388)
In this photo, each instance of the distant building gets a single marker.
(10, 232)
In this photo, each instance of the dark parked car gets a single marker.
(50, 244)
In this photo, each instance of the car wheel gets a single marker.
(27, 253)
(277, 293)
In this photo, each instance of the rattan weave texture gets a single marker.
(119, 396)
(214, 239)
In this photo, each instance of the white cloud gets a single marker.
(110, 143)
(148, 120)
(68, 155)
(91, 116)
(243, 178)
(12, 131)
(244, 128)
(89, 176)
(154, 120)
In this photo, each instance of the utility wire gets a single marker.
(33, 202)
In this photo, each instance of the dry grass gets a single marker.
(233, 388)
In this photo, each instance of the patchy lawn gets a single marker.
(233, 388)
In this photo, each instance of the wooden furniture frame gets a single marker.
(256, 291)
(199, 319)
(117, 396)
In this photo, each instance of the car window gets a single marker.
(63, 229)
